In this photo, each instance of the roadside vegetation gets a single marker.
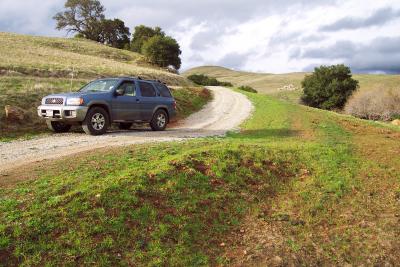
(296, 186)
(378, 104)
(247, 88)
(201, 79)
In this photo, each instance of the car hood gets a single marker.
(76, 94)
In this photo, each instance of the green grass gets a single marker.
(174, 204)
(169, 211)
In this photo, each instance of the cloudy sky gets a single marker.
(252, 35)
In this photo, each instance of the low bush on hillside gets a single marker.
(247, 89)
(375, 104)
(328, 87)
(201, 79)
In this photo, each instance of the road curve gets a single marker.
(225, 112)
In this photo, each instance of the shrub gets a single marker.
(201, 79)
(375, 104)
(227, 84)
(328, 87)
(248, 89)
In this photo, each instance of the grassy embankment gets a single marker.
(310, 186)
(32, 67)
(273, 84)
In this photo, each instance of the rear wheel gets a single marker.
(125, 125)
(96, 121)
(159, 121)
(58, 127)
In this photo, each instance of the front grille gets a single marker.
(54, 101)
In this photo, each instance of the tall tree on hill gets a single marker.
(114, 33)
(163, 51)
(142, 34)
(328, 87)
(83, 17)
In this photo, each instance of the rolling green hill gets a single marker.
(277, 84)
(311, 187)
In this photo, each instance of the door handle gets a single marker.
(137, 100)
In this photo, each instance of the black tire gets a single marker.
(58, 126)
(125, 125)
(159, 121)
(96, 121)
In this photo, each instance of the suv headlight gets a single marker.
(75, 101)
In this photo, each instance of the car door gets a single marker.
(148, 99)
(126, 107)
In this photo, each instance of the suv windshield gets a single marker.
(99, 86)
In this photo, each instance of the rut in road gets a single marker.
(225, 112)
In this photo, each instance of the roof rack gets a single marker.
(139, 78)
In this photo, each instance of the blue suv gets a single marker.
(112, 100)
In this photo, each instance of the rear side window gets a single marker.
(147, 90)
(163, 89)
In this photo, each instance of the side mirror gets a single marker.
(120, 91)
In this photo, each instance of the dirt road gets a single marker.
(225, 112)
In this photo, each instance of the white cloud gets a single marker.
(254, 35)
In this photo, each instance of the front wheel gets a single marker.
(159, 121)
(58, 127)
(96, 121)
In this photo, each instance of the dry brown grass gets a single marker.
(377, 104)
(60, 57)
(262, 82)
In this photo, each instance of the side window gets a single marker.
(129, 87)
(163, 89)
(147, 89)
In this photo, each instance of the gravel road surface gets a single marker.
(225, 112)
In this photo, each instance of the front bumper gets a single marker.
(62, 113)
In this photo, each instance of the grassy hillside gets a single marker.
(275, 83)
(309, 186)
(32, 67)
(264, 82)
(60, 57)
